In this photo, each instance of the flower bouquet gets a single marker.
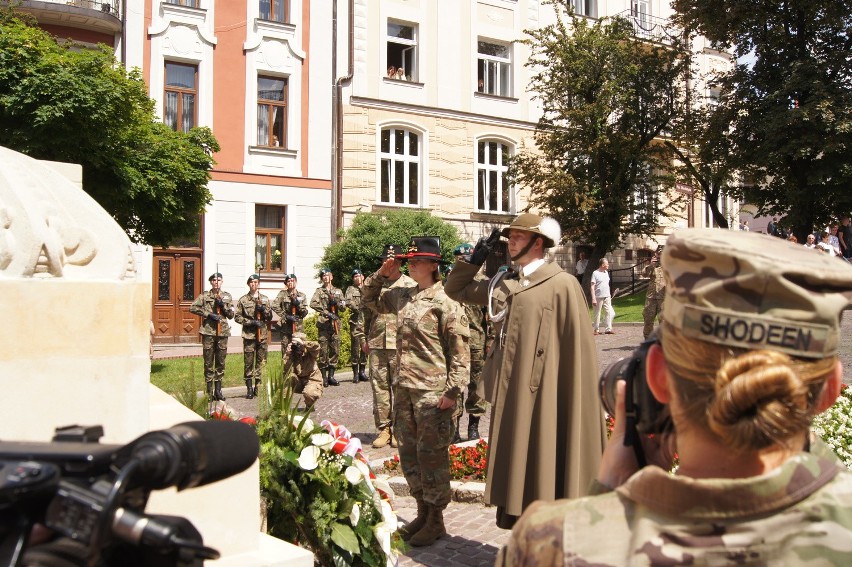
(319, 490)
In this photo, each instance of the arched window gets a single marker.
(399, 163)
(493, 194)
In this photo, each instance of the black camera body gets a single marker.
(297, 348)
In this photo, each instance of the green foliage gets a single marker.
(188, 394)
(606, 99)
(79, 105)
(834, 426)
(316, 497)
(362, 243)
(172, 375)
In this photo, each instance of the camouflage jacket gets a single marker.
(431, 339)
(321, 303)
(380, 328)
(353, 303)
(205, 304)
(304, 366)
(247, 309)
(657, 283)
(476, 323)
(797, 514)
(281, 306)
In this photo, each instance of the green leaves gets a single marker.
(343, 536)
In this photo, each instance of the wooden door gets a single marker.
(177, 282)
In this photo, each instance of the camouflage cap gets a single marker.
(531, 223)
(754, 291)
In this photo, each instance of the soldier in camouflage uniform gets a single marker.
(656, 292)
(214, 307)
(747, 356)
(381, 345)
(357, 354)
(430, 373)
(291, 306)
(474, 404)
(254, 314)
(300, 356)
(328, 302)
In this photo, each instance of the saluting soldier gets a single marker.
(358, 354)
(656, 293)
(291, 306)
(329, 303)
(214, 307)
(254, 314)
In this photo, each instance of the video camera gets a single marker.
(92, 496)
(297, 348)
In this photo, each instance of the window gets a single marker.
(494, 70)
(181, 90)
(190, 3)
(641, 10)
(402, 52)
(275, 10)
(400, 167)
(586, 8)
(492, 191)
(269, 238)
(272, 112)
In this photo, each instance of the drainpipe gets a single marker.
(337, 118)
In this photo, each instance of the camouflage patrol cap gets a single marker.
(753, 291)
(530, 223)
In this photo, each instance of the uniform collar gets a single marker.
(530, 268)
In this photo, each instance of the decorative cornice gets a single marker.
(379, 104)
(184, 15)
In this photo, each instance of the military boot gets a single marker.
(210, 390)
(472, 427)
(431, 530)
(457, 435)
(383, 438)
(355, 375)
(331, 380)
(256, 384)
(217, 391)
(324, 372)
(415, 525)
(361, 374)
(249, 389)
(393, 440)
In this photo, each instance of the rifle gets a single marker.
(332, 307)
(217, 298)
(257, 316)
(294, 311)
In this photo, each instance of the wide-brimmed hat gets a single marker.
(545, 227)
(391, 250)
(424, 247)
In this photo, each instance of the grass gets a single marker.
(173, 375)
(628, 308)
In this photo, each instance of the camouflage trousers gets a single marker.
(311, 389)
(424, 434)
(254, 352)
(474, 404)
(215, 350)
(381, 375)
(653, 309)
(356, 352)
(329, 348)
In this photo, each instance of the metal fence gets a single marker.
(107, 6)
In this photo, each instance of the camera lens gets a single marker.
(609, 378)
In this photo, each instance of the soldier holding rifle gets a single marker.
(358, 354)
(328, 302)
(214, 307)
(254, 314)
(291, 306)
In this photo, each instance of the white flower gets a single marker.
(308, 457)
(388, 517)
(352, 447)
(384, 486)
(322, 440)
(353, 475)
(383, 533)
(309, 425)
(355, 514)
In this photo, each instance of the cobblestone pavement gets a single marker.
(473, 539)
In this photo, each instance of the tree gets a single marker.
(790, 109)
(607, 97)
(362, 243)
(64, 103)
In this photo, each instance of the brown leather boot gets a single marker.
(415, 525)
(431, 530)
(382, 439)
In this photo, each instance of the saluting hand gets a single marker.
(389, 267)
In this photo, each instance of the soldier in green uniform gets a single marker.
(474, 404)
(254, 313)
(291, 306)
(380, 329)
(300, 356)
(329, 303)
(747, 355)
(358, 354)
(430, 372)
(214, 307)
(656, 292)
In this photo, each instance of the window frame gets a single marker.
(272, 104)
(285, 19)
(187, 3)
(180, 92)
(406, 159)
(483, 195)
(409, 45)
(267, 233)
(484, 61)
(586, 8)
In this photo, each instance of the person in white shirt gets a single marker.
(602, 298)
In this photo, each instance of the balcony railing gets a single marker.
(650, 28)
(106, 6)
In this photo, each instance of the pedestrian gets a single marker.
(430, 373)
(844, 236)
(602, 298)
(753, 486)
(381, 331)
(291, 306)
(547, 428)
(357, 351)
(214, 307)
(329, 304)
(580, 268)
(300, 357)
(655, 294)
(772, 227)
(474, 404)
(254, 313)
